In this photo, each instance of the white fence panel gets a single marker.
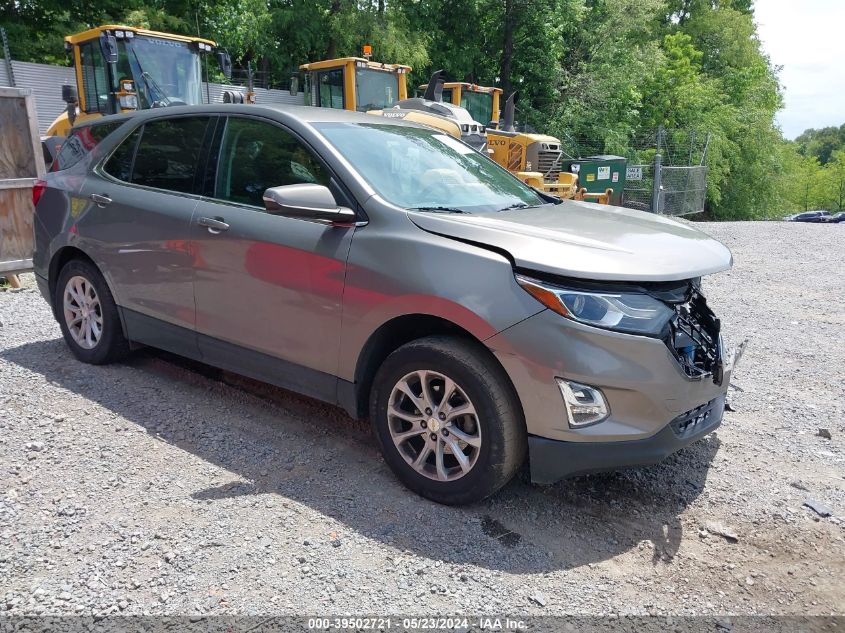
(45, 81)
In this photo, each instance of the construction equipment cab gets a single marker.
(354, 83)
(482, 102)
(122, 68)
(358, 84)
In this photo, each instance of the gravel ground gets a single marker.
(161, 486)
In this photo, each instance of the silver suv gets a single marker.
(394, 271)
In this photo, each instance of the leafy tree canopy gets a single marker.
(600, 74)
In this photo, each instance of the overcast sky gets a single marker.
(807, 38)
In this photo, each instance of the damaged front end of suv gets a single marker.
(627, 363)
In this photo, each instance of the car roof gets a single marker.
(305, 114)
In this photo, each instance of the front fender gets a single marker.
(412, 272)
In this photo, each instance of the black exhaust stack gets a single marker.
(510, 113)
(434, 89)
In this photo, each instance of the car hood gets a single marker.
(588, 241)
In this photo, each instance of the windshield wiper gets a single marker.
(519, 205)
(148, 78)
(439, 209)
(152, 84)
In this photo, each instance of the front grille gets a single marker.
(695, 420)
(548, 164)
(694, 338)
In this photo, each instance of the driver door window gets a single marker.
(255, 156)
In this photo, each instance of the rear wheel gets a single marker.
(88, 315)
(447, 419)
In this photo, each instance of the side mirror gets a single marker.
(108, 44)
(71, 98)
(225, 62)
(69, 94)
(309, 202)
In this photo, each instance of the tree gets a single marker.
(821, 143)
(601, 75)
(834, 176)
(808, 193)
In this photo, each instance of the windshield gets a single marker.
(419, 168)
(479, 105)
(164, 71)
(375, 89)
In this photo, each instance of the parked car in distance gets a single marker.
(391, 270)
(834, 218)
(807, 216)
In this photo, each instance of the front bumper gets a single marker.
(553, 460)
(646, 389)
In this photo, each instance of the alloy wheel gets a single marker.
(434, 425)
(83, 312)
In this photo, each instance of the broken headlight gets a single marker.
(630, 312)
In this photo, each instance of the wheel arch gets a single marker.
(60, 259)
(395, 333)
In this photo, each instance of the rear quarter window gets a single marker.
(119, 164)
(81, 142)
(161, 154)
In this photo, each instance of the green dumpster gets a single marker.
(596, 174)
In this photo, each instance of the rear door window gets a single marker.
(81, 142)
(167, 155)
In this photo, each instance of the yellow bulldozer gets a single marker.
(359, 84)
(124, 68)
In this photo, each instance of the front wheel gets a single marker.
(448, 421)
(88, 315)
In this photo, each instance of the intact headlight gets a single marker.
(635, 313)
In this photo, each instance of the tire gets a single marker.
(496, 434)
(109, 345)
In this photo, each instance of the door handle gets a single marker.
(214, 225)
(101, 199)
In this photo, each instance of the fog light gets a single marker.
(585, 405)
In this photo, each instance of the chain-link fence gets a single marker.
(292, 80)
(665, 171)
(639, 187)
(667, 174)
(682, 190)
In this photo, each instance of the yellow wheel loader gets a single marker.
(359, 84)
(482, 102)
(533, 158)
(124, 68)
